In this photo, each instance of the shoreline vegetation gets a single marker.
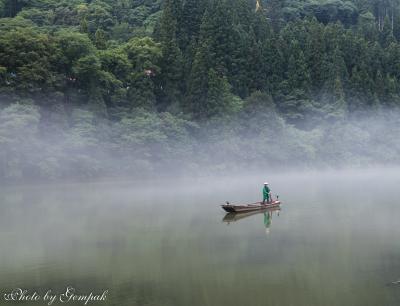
(96, 89)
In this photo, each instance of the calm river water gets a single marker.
(335, 241)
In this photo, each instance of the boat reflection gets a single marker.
(268, 213)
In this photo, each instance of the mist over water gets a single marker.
(164, 242)
(35, 146)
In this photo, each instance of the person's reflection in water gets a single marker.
(234, 217)
(267, 221)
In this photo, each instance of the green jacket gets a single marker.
(266, 192)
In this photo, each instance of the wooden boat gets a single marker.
(250, 207)
(234, 216)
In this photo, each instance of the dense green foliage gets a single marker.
(151, 82)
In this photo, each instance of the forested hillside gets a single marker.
(131, 86)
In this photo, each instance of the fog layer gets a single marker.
(43, 147)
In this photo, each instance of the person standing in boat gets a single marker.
(266, 193)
